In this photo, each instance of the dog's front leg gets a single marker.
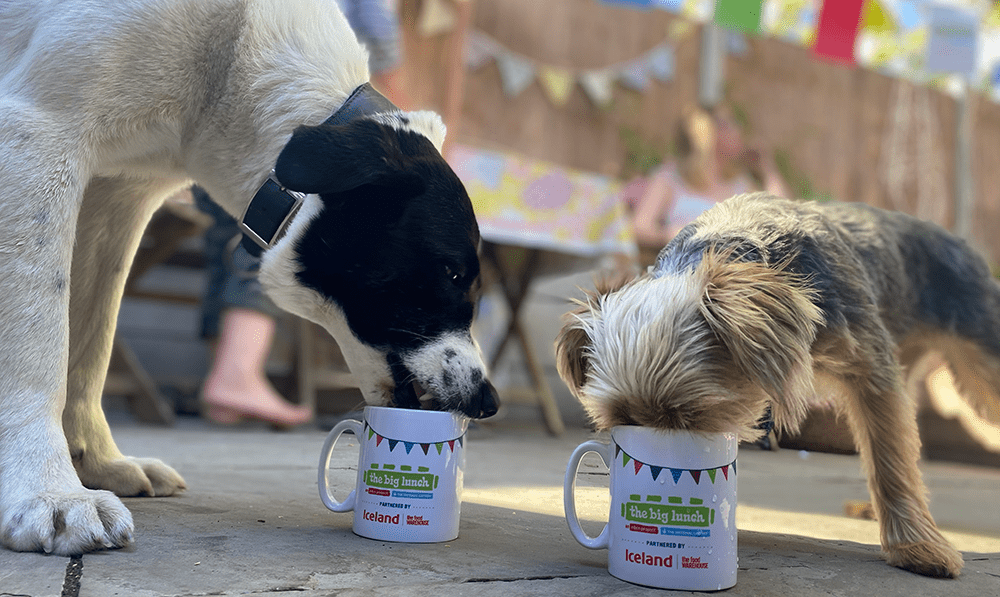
(43, 505)
(111, 223)
(884, 423)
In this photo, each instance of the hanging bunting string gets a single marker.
(518, 71)
(425, 446)
(675, 473)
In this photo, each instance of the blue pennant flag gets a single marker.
(392, 444)
(461, 441)
(676, 472)
(629, 3)
(408, 446)
(951, 47)
(655, 470)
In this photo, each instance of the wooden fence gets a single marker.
(847, 134)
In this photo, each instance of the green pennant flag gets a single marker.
(711, 474)
(371, 432)
(625, 458)
(739, 15)
(439, 445)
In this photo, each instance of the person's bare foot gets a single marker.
(229, 406)
(236, 387)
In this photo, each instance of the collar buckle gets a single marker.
(270, 211)
(273, 205)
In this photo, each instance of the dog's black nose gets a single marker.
(484, 404)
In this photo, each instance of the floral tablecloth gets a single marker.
(526, 202)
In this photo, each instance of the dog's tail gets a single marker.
(976, 371)
(972, 359)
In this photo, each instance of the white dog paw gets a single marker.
(67, 523)
(165, 480)
(131, 477)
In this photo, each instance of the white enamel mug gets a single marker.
(410, 473)
(672, 523)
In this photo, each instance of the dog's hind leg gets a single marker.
(884, 423)
(114, 214)
(43, 505)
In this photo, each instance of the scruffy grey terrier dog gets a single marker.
(765, 301)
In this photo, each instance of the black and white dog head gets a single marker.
(383, 254)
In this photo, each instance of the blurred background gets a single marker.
(587, 132)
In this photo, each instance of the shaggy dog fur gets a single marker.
(764, 301)
(107, 108)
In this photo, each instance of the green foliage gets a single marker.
(641, 155)
(797, 181)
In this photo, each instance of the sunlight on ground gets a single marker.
(592, 505)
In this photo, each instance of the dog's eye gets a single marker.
(456, 277)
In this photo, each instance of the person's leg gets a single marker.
(237, 386)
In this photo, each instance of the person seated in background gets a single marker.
(713, 162)
(234, 309)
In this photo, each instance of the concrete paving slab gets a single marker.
(251, 523)
(31, 574)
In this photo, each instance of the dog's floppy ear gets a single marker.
(335, 158)
(573, 342)
(766, 318)
(571, 346)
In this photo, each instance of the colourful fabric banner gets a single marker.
(629, 3)
(952, 44)
(557, 84)
(661, 63)
(598, 85)
(839, 21)
(635, 76)
(794, 20)
(739, 15)
(517, 72)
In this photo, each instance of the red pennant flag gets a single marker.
(725, 472)
(696, 475)
(638, 465)
(839, 21)
(451, 444)
(378, 439)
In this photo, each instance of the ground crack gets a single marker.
(74, 571)
(547, 577)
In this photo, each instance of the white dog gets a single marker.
(106, 108)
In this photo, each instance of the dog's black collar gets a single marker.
(273, 206)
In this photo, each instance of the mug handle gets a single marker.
(324, 466)
(569, 493)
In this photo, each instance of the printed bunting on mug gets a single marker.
(425, 446)
(675, 473)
